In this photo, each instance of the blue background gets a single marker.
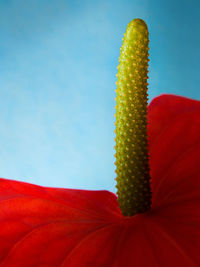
(58, 64)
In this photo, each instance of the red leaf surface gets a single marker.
(42, 226)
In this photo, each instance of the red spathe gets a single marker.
(43, 227)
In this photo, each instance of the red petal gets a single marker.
(43, 226)
(174, 128)
(77, 228)
(164, 109)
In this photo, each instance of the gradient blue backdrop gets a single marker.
(58, 64)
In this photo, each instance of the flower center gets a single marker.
(132, 160)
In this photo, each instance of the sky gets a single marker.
(57, 82)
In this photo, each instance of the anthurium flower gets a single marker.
(42, 226)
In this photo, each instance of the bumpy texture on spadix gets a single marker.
(132, 168)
